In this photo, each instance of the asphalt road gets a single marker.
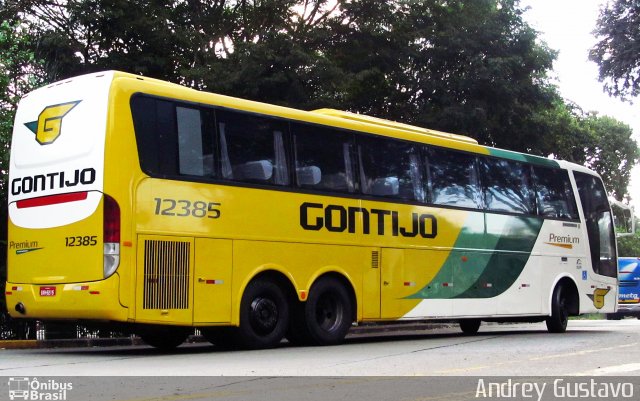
(589, 347)
(388, 365)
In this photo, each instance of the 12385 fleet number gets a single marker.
(186, 208)
(82, 240)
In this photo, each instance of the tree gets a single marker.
(156, 38)
(612, 152)
(564, 136)
(19, 73)
(617, 51)
(629, 246)
(468, 67)
(481, 72)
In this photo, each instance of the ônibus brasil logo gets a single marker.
(24, 388)
(48, 126)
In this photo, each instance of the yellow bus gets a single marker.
(147, 204)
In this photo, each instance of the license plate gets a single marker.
(47, 291)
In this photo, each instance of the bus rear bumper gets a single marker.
(628, 307)
(624, 310)
(97, 300)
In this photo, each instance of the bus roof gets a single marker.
(338, 118)
(393, 124)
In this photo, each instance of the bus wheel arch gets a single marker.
(264, 310)
(327, 314)
(564, 302)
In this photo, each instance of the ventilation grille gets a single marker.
(166, 274)
(375, 259)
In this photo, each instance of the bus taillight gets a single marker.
(111, 235)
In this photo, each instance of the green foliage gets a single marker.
(612, 152)
(630, 246)
(19, 73)
(480, 72)
(469, 67)
(564, 134)
(617, 51)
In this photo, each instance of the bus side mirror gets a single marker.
(623, 218)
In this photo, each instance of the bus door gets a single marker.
(599, 226)
(408, 278)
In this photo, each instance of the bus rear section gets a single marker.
(629, 288)
(63, 244)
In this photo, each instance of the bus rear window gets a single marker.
(172, 139)
(177, 139)
(155, 125)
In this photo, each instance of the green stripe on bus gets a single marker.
(521, 157)
(484, 264)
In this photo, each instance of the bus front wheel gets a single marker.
(557, 322)
(264, 315)
(328, 313)
(469, 326)
(223, 337)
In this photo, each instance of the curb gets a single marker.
(18, 344)
(356, 331)
(69, 343)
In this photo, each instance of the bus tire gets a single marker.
(164, 338)
(264, 315)
(557, 322)
(469, 326)
(328, 312)
(298, 334)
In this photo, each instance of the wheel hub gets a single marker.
(264, 315)
(328, 313)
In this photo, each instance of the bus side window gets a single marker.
(252, 148)
(506, 186)
(195, 150)
(554, 195)
(323, 158)
(453, 179)
(390, 168)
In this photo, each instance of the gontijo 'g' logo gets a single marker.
(49, 124)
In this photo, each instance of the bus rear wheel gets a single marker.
(557, 322)
(264, 315)
(328, 313)
(164, 337)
